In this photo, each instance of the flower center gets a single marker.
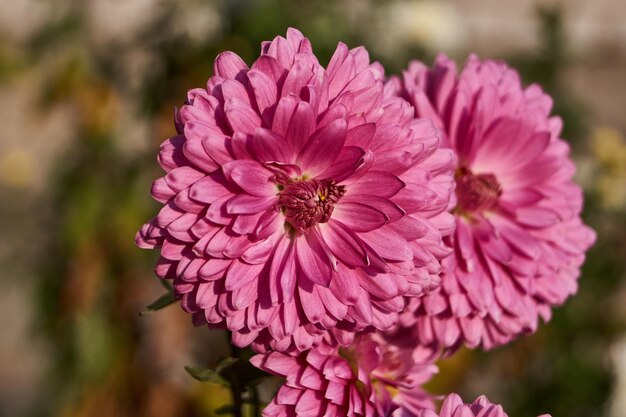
(307, 203)
(476, 192)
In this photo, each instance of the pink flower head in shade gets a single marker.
(299, 199)
(453, 406)
(519, 241)
(374, 376)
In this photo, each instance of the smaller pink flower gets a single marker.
(453, 406)
(519, 240)
(376, 376)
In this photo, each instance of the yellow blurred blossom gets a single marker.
(609, 149)
(434, 25)
(16, 168)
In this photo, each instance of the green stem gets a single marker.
(256, 410)
(235, 352)
(235, 387)
(237, 402)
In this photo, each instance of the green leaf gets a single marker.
(226, 363)
(230, 371)
(159, 303)
(167, 285)
(207, 375)
(241, 370)
(225, 409)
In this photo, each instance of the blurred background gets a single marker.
(87, 91)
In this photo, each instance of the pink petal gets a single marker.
(282, 274)
(381, 286)
(323, 147)
(270, 67)
(335, 393)
(274, 362)
(245, 296)
(361, 135)
(334, 307)
(259, 252)
(380, 183)
(215, 146)
(240, 274)
(266, 146)
(209, 189)
(359, 217)
(536, 217)
(341, 69)
(313, 260)
(249, 204)
(297, 78)
(282, 116)
(170, 153)
(388, 245)
(345, 286)
(450, 404)
(228, 65)
(232, 89)
(241, 117)
(161, 191)
(343, 243)
(309, 404)
(311, 303)
(350, 159)
(214, 269)
(287, 395)
(182, 177)
(391, 210)
(194, 151)
(301, 125)
(517, 237)
(264, 89)
(251, 177)
(282, 50)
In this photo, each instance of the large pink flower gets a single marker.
(453, 406)
(519, 240)
(375, 376)
(299, 199)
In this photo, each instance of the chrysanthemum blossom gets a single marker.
(299, 199)
(519, 241)
(453, 406)
(375, 376)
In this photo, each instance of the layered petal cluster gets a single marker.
(453, 406)
(375, 376)
(519, 241)
(299, 199)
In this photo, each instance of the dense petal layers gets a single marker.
(299, 199)
(519, 241)
(375, 376)
(453, 406)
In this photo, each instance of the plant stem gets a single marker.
(235, 387)
(237, 402)
(256, 410)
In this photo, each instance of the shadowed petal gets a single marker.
(379, 183)
(359, 217)
(251, 177)
(323, 147)
(344, 244)
(228, 65)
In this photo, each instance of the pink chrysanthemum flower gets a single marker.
(375, 376)
(299, 199)
(453, 406)
(519, 241)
